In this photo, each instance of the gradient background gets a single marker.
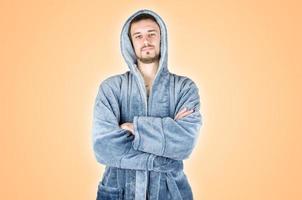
(245, 57)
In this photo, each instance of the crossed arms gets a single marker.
(181, 114)
(155, 143)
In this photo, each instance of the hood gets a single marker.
(128, 51)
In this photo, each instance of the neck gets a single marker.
(148, 70)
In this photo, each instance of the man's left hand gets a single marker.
(128, 126)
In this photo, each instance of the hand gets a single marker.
(184, 112)
(128, 126)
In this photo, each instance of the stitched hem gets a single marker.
(136, 141)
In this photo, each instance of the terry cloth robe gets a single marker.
(148, 164)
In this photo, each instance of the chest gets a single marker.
(155, 100)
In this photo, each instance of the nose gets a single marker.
(146, 40)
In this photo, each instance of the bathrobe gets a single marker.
(149, 163)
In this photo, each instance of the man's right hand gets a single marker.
(184, 112)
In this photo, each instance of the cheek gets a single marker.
(136, 47)
(158, 46)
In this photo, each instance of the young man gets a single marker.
(146, 121)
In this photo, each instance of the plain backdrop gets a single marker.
(245, 57)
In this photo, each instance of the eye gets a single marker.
(138, 36)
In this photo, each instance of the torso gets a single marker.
(148, 89)
(148, 85)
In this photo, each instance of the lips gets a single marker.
(147, 48)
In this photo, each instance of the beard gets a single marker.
(149, 59)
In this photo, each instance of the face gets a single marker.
(145, 35)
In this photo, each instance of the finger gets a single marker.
(185, 114)
(181, 113)
(183, 110)
(124, 126)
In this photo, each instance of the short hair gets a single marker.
(138, 18)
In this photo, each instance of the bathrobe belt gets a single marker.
(141, 186)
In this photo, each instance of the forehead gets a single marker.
(144, 25)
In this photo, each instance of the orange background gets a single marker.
(244, 55)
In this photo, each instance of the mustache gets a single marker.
(147, 47)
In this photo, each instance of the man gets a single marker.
(146, 121)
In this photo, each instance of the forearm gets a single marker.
(165, 136)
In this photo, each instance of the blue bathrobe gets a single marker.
(149, 163)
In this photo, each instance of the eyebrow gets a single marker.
(152, 30)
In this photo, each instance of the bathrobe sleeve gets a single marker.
(164, 136)
(112, 145)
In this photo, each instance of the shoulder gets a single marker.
(182, 82)
(110, 87)
(113, 82)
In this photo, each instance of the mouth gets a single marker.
(147, 48)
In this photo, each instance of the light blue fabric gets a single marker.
(148, 164)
